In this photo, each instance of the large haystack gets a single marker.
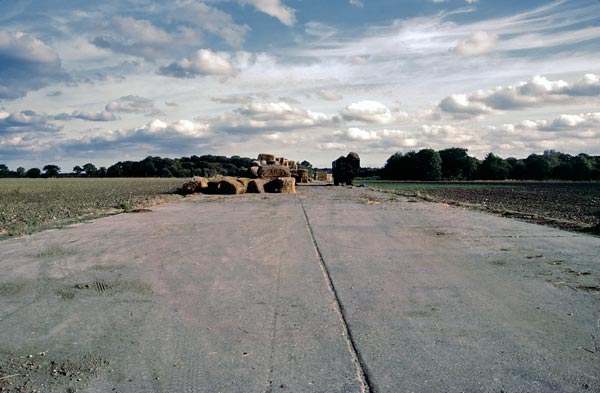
(281, 185)
(273, 171)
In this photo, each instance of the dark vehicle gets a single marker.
(345, 169)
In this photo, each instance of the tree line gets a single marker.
(206, 165)
(427, 164)
(455, 164)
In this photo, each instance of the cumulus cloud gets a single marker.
(357, 3)
(26, 63)
(583, 122)
(25, 122)
(329, 95)
(357, 134)
(205, 62)
(537, 91)
(368, 112)
(95, 116)
(261, 117)
(478, 43)
(274, 8)
(155, 135)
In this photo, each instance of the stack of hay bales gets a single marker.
(267, 174)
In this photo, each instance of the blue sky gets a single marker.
(85, 81)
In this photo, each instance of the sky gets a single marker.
(105, 81)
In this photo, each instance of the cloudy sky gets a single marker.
(111, 80)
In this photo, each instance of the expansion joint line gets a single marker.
(361, 370)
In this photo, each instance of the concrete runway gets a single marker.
(329, 290)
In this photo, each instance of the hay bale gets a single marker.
(244, 180)
(197, 184)
(273, 171)
(285, 185)
(256, 186)
(213, 185)
(231, 186)
(303, 175)
(266, 157)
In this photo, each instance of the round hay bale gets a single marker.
(231, 186)
(286, 185)
(213, 185)
(197, 184)
(273, 171)
(244, 181)
(256, 186)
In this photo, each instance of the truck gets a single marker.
(345, 169)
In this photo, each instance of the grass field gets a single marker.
(27, 205)
(568, 205)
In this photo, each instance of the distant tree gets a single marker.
(516, 168)
(457, 165)
(90, 169)
(4, 172)
(537, 167)
(582, 167)
(493, 168)
(429, 164)
(101, 171)
(21, 171)
(34, 173)
(77, 169)
(51, 170)
(306, 164)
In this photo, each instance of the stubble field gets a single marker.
(27, 205)
(566, 205)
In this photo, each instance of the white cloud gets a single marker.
(260, 117)
(583, 122)
(204, 62)
(131, 104)
(478, 43)
(212, 20)
(26, 63)
(357, 3)
(141, 31)
(95, 116)
(25, 122)
(537, 91)
(368, 112)
(329, 95)
(274, 8)
(320, 30)
(354, 133)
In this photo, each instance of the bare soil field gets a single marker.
(27, 205)
(566, 205)
(332, 289)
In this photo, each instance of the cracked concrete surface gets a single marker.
(329, 290)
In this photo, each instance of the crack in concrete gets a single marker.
(361, 369)
(274, 330)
